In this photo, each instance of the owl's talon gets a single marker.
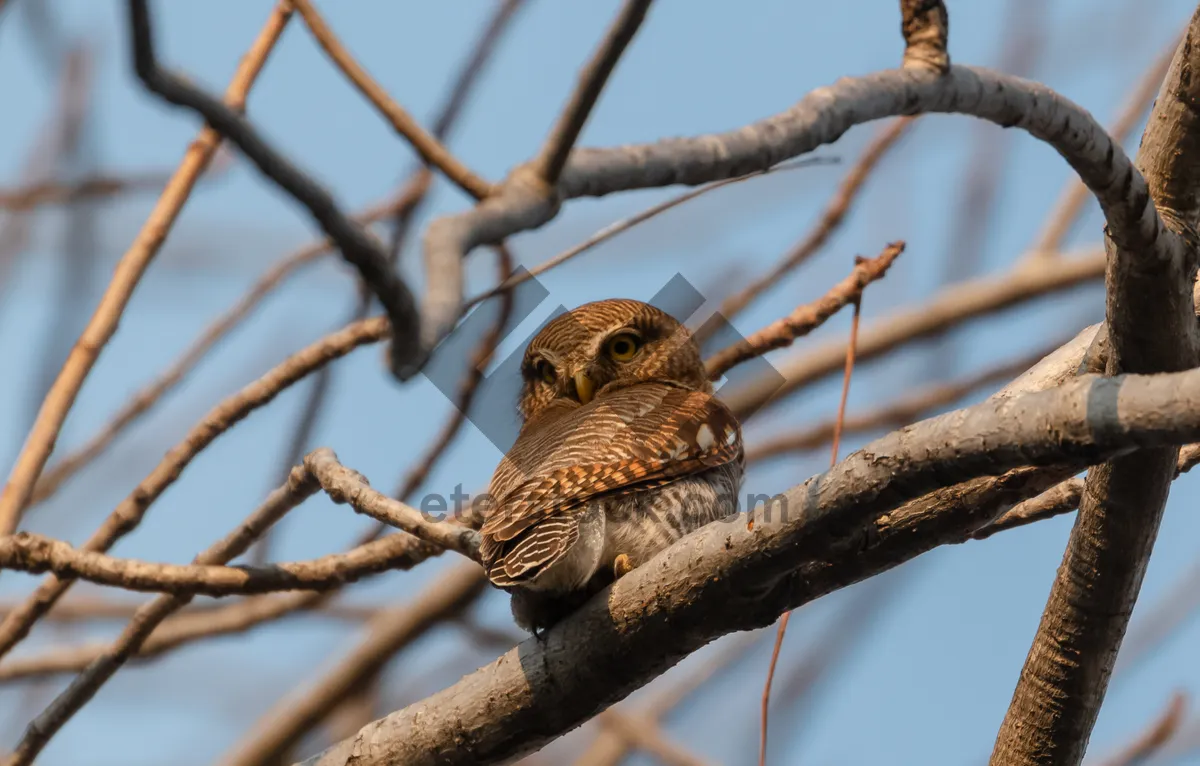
(622, 565)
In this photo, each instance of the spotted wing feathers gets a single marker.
(628, 440)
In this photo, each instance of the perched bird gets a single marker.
(623, 450)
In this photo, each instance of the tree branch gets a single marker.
(839, 527)
(299, 486)
(820, 118)
(129, 513)
(427, 145)
(782, 332)
(103, 324)
(1151, 327)
(344, 485)
(359, 247)
(553, 156)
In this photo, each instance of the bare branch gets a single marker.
(925, 26)
(358, 246)
(427, 145)
(831, 219)
(389, 632)
(344, 485)
(103, 324)
(32, 553)
(133, 508)
(782, 332)
(553, 156)
(1151, 327)
(92, 187)
(947, 309)
(300, 485)
(839, 527)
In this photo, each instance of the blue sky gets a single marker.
(929, 682)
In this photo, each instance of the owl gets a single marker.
(623, 449)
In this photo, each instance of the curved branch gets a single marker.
(835, 529)
(360, 248)
(522, 203)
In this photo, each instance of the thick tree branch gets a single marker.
(1151, 327)
(842, 526)
(522, 202)
(359, 246)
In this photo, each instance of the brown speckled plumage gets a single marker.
(647, 456)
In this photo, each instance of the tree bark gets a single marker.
(1151, 328)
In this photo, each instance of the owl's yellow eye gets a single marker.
(624, 347)
(545, 371)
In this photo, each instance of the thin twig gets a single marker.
(145, 399)
(806, 318)
(104, 321)
(617, 227)
(358, 245)
(386, 634)
(1157, 734)
(945, 310)
(234, 408)
(54, 140)
(344, 485)
(300, 486)
(832, 217)
(100, 185)
(898, 413)
(427, 145)
(833, 458)
(553, 155)
(27, 552)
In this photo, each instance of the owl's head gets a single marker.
(599, 344)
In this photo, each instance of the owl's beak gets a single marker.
(584, 387)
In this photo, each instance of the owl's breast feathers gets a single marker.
(631, 439)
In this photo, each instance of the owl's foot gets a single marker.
(622, 565)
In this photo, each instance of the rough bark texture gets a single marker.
(839, 527)
(1151, 328)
